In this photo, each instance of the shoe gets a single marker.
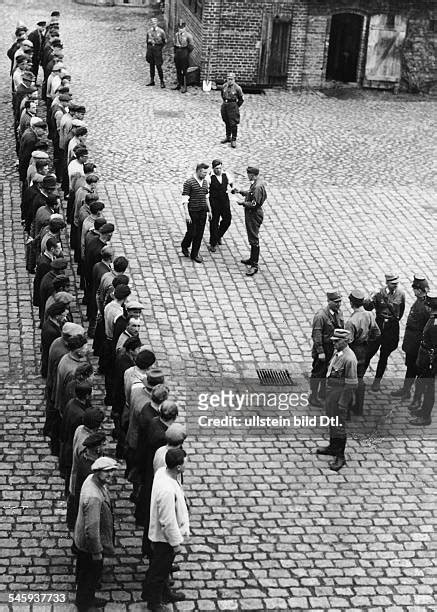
(252, 271)
(314, 401)
(337, 464)
(151, 84)
(98, 602)
(402, 393)
(225, 140)
(212, 249)
(185, 252)
(175, 568)
(174, 596)
(197, 259)
(246, 262)
(233, 144)
(325, 450)
(178, 86)
(184, 89)
(376, 386)
(420, 422)
(162, 85)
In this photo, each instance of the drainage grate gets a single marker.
(275, 378)
(168, 113)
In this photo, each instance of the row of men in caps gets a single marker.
(373, 326)
(73, 425)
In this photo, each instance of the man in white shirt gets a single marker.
(169, 526)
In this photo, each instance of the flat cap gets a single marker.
(105, 464)
(38, 122)
(78, 123)
(216, 162)
(93, 418)
(64, 297)
(72, 329)
(252, 170)
(41, 24)
(38, 154)
(95, 439)
(333, 296)
(59, 264)
(121, 291)
(154, 377)
(56, 217)
(57, 67)
(49, 182)
(145, 359)
(80, 150)
(66, 97)
(27, 43)
(391, 278)
(55, 309)
(107, 228)
(176, 433)
(134, 304)
(358, 294)
(99, 222)
(340, 334)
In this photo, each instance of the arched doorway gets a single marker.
(344, 47)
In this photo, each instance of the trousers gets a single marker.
(253, 218)
(334, 408)
(88, 575)
(220, 221)
(155, 582)
(386, 344)
(230, 113)
(181, 62)
(194, 233)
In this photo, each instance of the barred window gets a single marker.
(195, 6)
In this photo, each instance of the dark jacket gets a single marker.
(94, 530)
(42, 267)
(324, 323)
(50, 331)
(416, 321)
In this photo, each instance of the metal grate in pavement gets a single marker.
(159, 112)
(275, 378)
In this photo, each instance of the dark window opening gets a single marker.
(390, 21)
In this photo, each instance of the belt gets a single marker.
(228, 101)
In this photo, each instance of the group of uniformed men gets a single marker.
(342, 352)
(73, 425)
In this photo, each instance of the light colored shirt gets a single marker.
(112, 312)
(169, 520)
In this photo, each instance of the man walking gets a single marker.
(362, 328)
(254, 199)
(232, 96)
(325, 321)
(155, 39)
(416, 321)
(341, 380)
(389, 305)
(169, 526)
(196, 206)
(183, 45)
(219, 187)
(94, 532)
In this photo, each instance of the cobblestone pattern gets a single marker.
(350, 194)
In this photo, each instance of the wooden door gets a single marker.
(383, 61)
(277, 66)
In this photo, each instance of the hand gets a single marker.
(97, 557)
(322, 356)
(177, 549)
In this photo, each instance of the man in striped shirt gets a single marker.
(195, 201)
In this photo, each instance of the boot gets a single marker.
(233, 143)
(225, 140)
(313, 399)
(254, 255)
(376, 385)
(184, 86)
(162, 85)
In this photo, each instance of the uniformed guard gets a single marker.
(155, 39)
(362, 328)
(416, 321)
(220, 184)
(232, 95)
(254, 199)
(342, 380)
(183, 45)
(389, 305)
(427, 367)
(325, 321)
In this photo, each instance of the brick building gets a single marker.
(313, 43)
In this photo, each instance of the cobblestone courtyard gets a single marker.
(351, 194)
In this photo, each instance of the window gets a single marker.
(390, 21)
(195, 6)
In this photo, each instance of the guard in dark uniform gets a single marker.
(254, 199)
(362, 328)
(219, 185)
(325, 321)
(417, 319)
(232, 95)
(342, 380)
(389, 305)
(183, 45)
(155, 39)
(427, 368)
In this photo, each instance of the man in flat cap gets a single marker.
(183, 46)
(362, 328)
(389, 305)
(254, 199)
(30, 137)
(416, 321)
(325, 321)
(220, 184)
(195, 202)
(94, 532)
(155, 40)
(50, 331)
(341, 382)
(44, 261)
(427, 368)
(37, 38)
(232, 96)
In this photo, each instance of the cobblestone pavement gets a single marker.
(351, 193)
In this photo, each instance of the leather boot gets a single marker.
(313, 399)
